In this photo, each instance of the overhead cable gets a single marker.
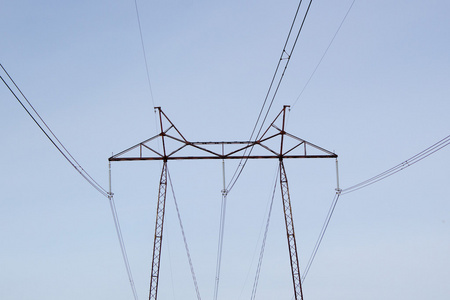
(407, 163)
(144, 52)
(283, 63)
(223, 208)
(323, 55)
(115, 216)
(321, 234)
(285, 55)
(122, 245)
(191, 265)
(263, 244)
(414, 159)
(51, 136)
(66, 154)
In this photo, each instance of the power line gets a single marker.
(144, 52)
(122, 245)
(49, 134)
(283, 63)
(287, 58)
(323, 55)
(263, 244)
(146, 62)
(261, 230)
(191, 265)
(223, 208)
(119, 235)
(407, 163)
(321, 234)
(414, 159)
(69, 157)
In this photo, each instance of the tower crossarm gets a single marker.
(173, 145)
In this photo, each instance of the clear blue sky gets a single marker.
(380, 95)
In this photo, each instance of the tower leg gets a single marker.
(158, 233)
(295, 268)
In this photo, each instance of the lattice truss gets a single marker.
(275, 142)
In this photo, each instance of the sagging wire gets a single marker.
(407, 163)
(144, 52)
(191, 265)
(146, 65)
(223, 209)
(263, 244)
(323, 55)
(321, 234)
(51, 136)
(285, 57)
(324, 227)
(261, 234)
(69, 157)
(120, 237)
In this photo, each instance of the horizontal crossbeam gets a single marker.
(275, 143)
(219, 157)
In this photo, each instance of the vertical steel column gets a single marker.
(160, 209)
(295, 268)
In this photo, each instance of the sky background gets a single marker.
(380, 95)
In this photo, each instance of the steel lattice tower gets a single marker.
(289, 147)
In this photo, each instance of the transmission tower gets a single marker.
(275, 143)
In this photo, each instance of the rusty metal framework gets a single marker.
(274, 143)
(176, 147)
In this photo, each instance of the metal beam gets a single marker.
(222, 157)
